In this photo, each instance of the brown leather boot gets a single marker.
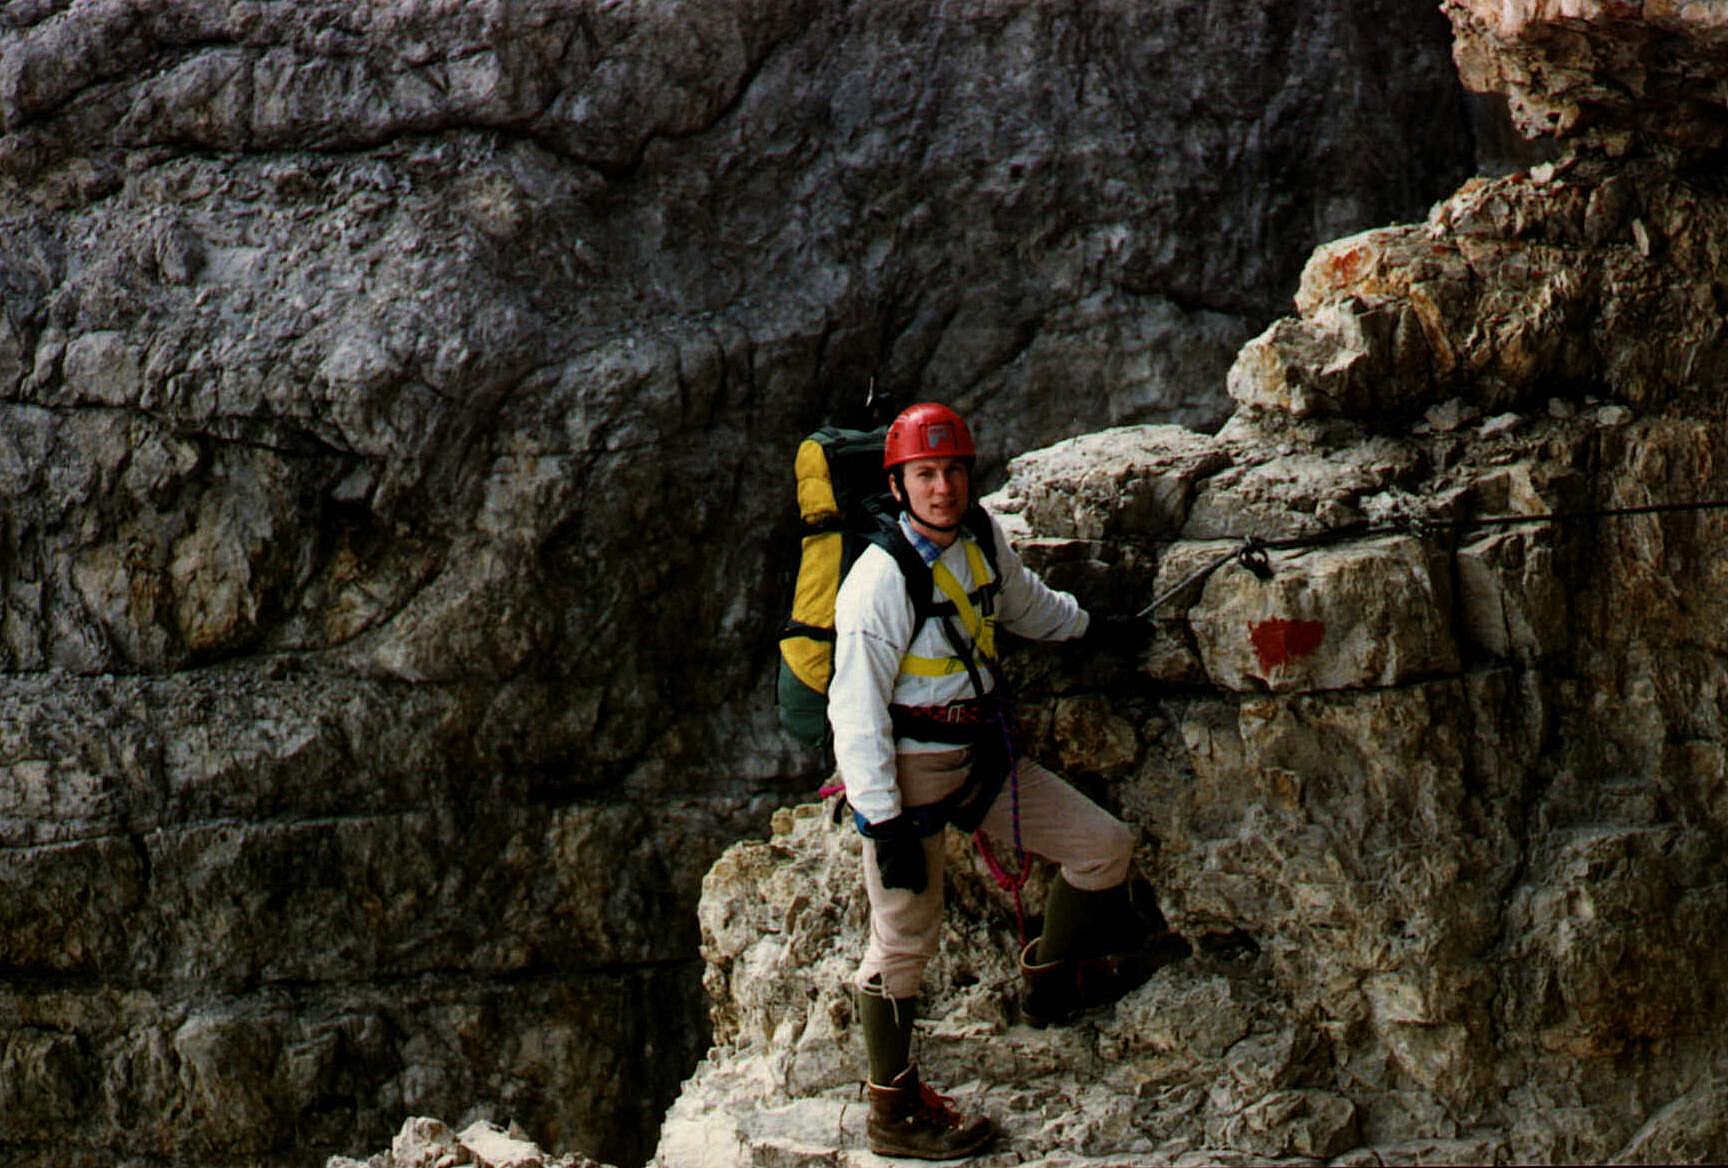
(1052, 989)
(907, 1118)
(1059, 992)
(1068, 970)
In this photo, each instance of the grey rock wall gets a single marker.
(395, 410)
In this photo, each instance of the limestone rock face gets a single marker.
(396, 411)
(1604, 69)
(1426, 755)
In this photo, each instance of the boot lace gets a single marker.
(937, 1107)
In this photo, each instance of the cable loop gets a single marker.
(1253, 557)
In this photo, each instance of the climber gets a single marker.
(920, 739)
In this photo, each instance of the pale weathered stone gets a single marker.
(1282, 492)
(1129, 483)
(489, 1146)
(1362, 342)
(1374, 613)
(1449, 416)
(1510, 597)
(424, 1142)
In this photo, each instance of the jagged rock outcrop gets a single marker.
(395, 405)
(1603, 71)
(1441, 805)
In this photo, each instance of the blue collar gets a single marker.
(927, 550)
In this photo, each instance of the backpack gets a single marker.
(845, 506)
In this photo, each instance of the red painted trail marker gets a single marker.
(1278, 641)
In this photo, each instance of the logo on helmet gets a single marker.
(926, 430)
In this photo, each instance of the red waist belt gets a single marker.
(956, 722)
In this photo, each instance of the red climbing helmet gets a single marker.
(926, 430)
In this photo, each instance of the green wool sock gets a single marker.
(1064, 916)
(887, 1024)
(1074, 920)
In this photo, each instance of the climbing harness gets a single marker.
(976, 613)
(1001, 733)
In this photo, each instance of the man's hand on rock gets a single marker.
(1117, 632)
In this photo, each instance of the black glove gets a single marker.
(1122, 632)
(899, 854)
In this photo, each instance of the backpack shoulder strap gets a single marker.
(920, 585)
(979, 527)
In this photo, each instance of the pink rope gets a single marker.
(1011, 882)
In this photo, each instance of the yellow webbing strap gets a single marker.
(931, 666)
(980, 629)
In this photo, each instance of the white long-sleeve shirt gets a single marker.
(873, 620)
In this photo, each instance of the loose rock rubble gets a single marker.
(429, 1143)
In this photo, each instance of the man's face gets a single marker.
(938, 490)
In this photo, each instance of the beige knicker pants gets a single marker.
(1056, 822)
